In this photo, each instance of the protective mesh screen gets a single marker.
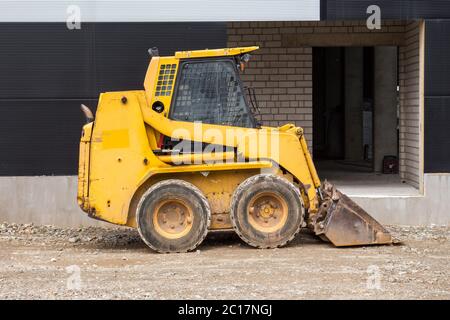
(210, 92)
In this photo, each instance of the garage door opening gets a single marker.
(330, 79)
(356, 118)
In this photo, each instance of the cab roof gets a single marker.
(207, 53)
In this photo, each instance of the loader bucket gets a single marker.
(344, 223)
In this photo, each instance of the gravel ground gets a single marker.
(45, 262)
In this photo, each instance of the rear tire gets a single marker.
(173, 216)
(267, 211)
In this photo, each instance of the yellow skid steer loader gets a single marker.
(186, 155)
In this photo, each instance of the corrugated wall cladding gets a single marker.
(40, 137)
(46, 71)
(390, 9)
(410, 113)
(437, 96)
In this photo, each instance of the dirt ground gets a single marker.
(95, 263)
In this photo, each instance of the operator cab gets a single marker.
(202, 86)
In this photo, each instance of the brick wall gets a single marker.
(282, 77)
(410, 113)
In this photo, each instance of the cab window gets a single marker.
(210, 92)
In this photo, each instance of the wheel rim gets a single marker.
(173, 218)
(267, 212)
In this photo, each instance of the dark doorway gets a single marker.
(328, 103)
(343, 95)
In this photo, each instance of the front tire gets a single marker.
(173, 216)
(267, 211)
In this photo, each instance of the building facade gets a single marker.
(363, 91)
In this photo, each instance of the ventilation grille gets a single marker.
(165, 80)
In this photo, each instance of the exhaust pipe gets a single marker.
(87, 113)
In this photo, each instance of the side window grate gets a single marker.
(166, 76)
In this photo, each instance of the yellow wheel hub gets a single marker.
(267, 212)
(173, 218)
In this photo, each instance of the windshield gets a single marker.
(210, 92)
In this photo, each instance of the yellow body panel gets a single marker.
(118, 163)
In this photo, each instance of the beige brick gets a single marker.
(339, 29)
(288, 30)
(271, 31)
(266, 117)
(295, 77)
(280, 117)
(322, 30)
(303, 84)
(278, 64)
(287, 110)
(249, 37)
(234, 38)
(244, 31)
(287, 57)
(278, 50)
(295, 90)
(259, 84)
(287, 70)
(287, 84)
(303, 57)
(266, 37)
(278, 77)
(271, 44)
(305, 30)
(282, 91)
(295, 50)
(296, 117)
(396, 29)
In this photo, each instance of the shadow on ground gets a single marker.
(130, 239)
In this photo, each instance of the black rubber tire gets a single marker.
(266, 183)
(162, 191)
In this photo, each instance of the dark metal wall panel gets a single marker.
(121, 56)
(437, 96)
(437, 134)
(437, 57)
(46, 71)
(390, 9)
(45, 60)
(40, 137)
